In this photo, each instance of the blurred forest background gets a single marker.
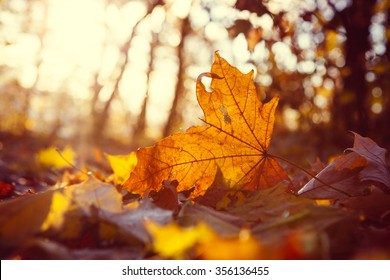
(117, 73)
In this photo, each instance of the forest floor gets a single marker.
(261, 225)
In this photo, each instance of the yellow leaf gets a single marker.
(172, 241)
(323, 202)
(51, 157)
(59, 205)
(122, 165)
(85, 198)
(228, 198)
(241, 247)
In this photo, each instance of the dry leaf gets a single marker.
(95, 193)
(376, 170)
(130, 222)
(172, 241)
(122, 165)
(270, 204)
(375, 206)
(59, 205)
(22, 217)
(48, 249)
(223, 223)
(167, 197)
(52, 157)
(351, 174)
(234, 141)
(241, 247)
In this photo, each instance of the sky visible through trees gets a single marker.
(117, 139)
(127, 69)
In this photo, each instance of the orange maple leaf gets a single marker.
(233, 141)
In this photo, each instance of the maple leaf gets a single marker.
(350, 174)
(233, 141)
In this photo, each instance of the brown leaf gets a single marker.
(215, 193)
(374, 206)
(93, 192)
(167, 197)
(22, 217)
(130, 222)
(351, 174)
(46, 249)
(270, 204)
(221, 222)
(234, 140)
(376, 170)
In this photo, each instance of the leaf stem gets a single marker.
(308, 173)
(71, 164)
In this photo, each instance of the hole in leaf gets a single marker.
(206, 81)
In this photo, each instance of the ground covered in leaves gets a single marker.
(214, 192)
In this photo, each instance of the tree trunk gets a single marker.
(101, 117)
(382, 125)
(175, 115)
(139, 127)
(350, 108)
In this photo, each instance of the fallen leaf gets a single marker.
(77, 203)
(172, 241)
(376, 170)
(241, 247)
(306, 234)
(317, 166)
(223, 223)
(95, 193)
(350, 174)
(6, 190)
(298, 244)
(122, 165)
(323, 202)
(216, 193)
(53, 157)
(55, 218)
(375, 206)
(22, 217)
(167, 197)
(130, 222)
(44, 249)
(337, 180)
(270, 204)
(234, 140)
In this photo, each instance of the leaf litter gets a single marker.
(213, 192)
